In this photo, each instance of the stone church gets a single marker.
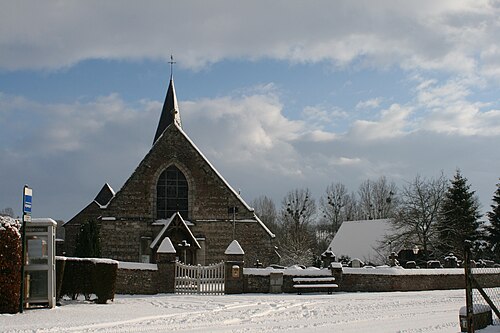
(174, 192)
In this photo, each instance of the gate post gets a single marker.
(165, 260)
(234, 269)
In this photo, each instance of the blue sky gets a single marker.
(300, 94)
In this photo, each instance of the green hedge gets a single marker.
(86, 276)
(10, 265)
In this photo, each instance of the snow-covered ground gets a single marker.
(430, 311)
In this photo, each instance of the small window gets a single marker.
(145, 250)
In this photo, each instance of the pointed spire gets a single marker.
(170, 112)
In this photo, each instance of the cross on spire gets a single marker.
(171, 62)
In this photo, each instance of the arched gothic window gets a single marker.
(171, 193)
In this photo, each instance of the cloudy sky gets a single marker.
(278, 95)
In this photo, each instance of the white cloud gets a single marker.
(448, 109)
(448, 35)
(248, 139)
(370, 103)
(393, 123)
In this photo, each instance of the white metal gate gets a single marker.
(199, 279)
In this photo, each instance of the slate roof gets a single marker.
(170, 111)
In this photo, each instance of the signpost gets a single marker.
(27, 203)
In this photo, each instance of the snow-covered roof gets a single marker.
(360, 239)
(44, 220)
(234, 248)
(167, 224)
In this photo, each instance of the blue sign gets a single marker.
(27, 200)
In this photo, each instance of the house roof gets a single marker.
(170, 111)
(174, 218)
(361, 239)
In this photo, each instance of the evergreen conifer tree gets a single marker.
(493, 229)
(88, 242)
(459, 218)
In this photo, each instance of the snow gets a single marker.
(7, 222)
(234, 248)
(292, 270)
(137, 265)
(43, 220)
(93, 260)
(429, 311)
(321, 285)
(398, 270)
(318, 279)
(166, 246)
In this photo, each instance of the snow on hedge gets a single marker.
(7, 222)
(93, 260)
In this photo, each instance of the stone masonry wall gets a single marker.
(252, 237)
(382, 282)
(209, 197)
(134, 207)
(374, 283)
(135, 281)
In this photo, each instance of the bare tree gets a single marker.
(265, 209)
(333, 205)
(7, 212)
(417, 216)
(298, 210)
(377, 198)
(351, 208)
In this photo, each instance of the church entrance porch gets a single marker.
(201, 280)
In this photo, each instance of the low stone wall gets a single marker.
(394, 279)
(256, 283)
(140, 280)
(379, 280)
(258, 280)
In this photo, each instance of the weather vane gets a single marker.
(171, 62)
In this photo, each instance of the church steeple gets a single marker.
(170, 112)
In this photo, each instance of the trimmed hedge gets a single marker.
(10, 265)
(104, 281)
(88, 276)
(60, 267)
